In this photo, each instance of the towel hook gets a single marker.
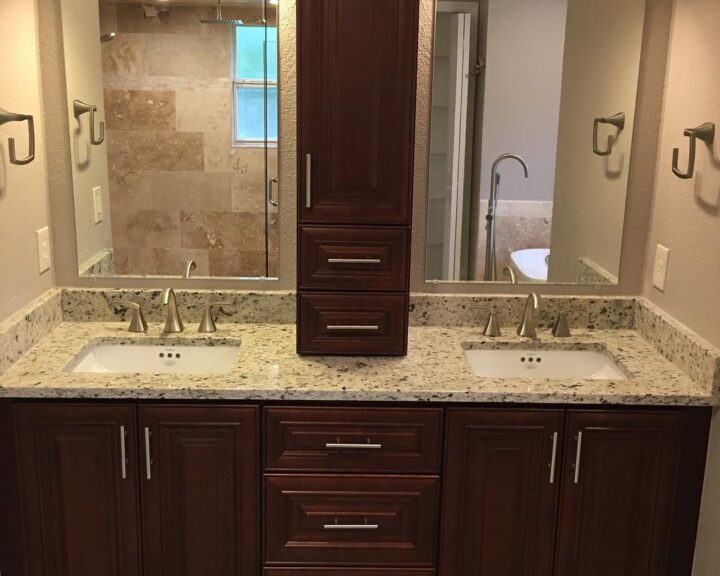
(6, 117)
(80, 108)
(618, 120)
(706, 133)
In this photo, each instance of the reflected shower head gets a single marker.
(219, 18)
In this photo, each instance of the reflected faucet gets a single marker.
(490, 265)
(173, 323)
(527, 328)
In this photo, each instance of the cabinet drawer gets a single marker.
(357, 324)
(364, 520)
(354, 258)
(331, 571)
(353, 439)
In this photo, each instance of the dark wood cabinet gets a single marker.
(361, 520)
(502, 479)
(620, 500)
(79, 477)
(356, 110)
(200, 490)
(357, 62)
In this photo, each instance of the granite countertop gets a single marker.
(267, 368)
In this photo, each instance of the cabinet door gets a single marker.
(356, 106)
(501, 490)
(200, 490)
(618, 490)
(80, 498)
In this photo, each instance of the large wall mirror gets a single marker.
(533, 105)
(173, 109)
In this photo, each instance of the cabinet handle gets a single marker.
(578, 453)
(308, 180)
(148, 461)
(351, 526)
(553, 458)
(123, 457)
(354, 261)
(351, 446)
(352, 327)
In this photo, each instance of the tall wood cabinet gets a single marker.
(90, 481)
(356, 115)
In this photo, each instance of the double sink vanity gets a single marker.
(228, 453)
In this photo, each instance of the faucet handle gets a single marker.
(207, 324)
(137, 323)
(561, 328)
(492, 326)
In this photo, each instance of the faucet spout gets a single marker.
(528, 325)
(173, 323)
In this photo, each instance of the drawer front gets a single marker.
(353, 439)
(339, 258)
(361, 520)
(357, 324)
(330, 571)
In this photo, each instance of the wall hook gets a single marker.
(6, 117)
(80, 108)
(706, 133)
(618, 120)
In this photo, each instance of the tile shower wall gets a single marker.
(178, 189)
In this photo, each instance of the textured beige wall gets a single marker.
(60, 177)
(599, 79)
(641, 170)
(23, 190)
(686, 213)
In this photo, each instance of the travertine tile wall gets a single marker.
(178, 189)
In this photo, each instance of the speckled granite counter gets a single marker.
(267, 368)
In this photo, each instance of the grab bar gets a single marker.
(80, 108)
(6, 117)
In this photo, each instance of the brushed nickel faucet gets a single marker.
(528, 325)
(173, 323)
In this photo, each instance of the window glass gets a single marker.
(250, 113)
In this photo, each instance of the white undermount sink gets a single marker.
(552, 364)
(156, 359)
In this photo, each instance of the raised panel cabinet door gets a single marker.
(356, 107)
(502, 479)
(200, 490)
(618, 490)
(78, 472)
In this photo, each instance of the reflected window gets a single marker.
(255, 93)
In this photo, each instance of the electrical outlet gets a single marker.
(97, 204)
(661, 265)
(43, 249)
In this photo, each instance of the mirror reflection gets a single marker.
(173, 112)
(533, 105)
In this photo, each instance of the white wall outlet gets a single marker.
(661, 265)
(43, 249)
(97, 204)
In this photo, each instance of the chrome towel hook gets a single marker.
(618, 120)
(706, 133)
(6, 117)
(80, 108)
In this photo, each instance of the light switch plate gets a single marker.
(43, 249)
(97, 204)
(661, 265)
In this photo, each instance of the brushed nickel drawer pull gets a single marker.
(553, 458)
(352, 327)
(351, 526)
(354, 260)
(308, 181)
(578, 454)
(123, 457)
(352, 446)
(148, 461)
